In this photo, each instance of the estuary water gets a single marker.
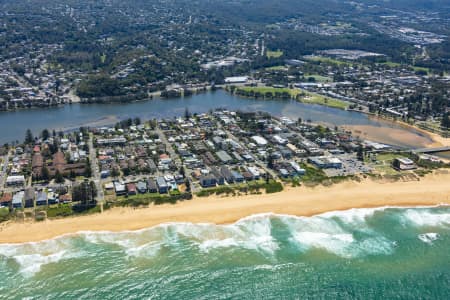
(400, 253)
(14, 124)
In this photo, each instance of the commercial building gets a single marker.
(326, 162)
(403, 164)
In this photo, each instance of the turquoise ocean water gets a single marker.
(390, 253)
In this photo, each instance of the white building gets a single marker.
(237, 79)
(259, 140)
(15, 180)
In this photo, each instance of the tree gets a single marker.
(188, 186)
(45, 134)
(45, 174)
(187, 114)
(360, 153)
(270, 163)
(88, 169)
(445, 123)
(29, 137)
(115, 172)
(137, 121)
(182, 172)
(85, 194)
(93, 190)
(58, 177)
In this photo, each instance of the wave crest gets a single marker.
(349, 234)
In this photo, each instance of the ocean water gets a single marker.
(401, 253)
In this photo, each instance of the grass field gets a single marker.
(274, 54)
(319, 78)
(383, 163)
(328, 60)
(322, 100)
(308, 96)
(267, 89)
(277, 68)
(397, 65)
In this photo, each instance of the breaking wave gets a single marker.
(348, 234)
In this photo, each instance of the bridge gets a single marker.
(431, 150)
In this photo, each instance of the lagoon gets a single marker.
(13, 124)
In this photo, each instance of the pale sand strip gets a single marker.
(432, 190)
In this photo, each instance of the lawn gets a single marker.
(319, 78)
(274, 54)
(277, 68)
(267, 89)
(309, 97)
(383, 163)
(328, 60)
(322, 100)
(398, 65)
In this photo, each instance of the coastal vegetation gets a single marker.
(253, 187)
(142, 200)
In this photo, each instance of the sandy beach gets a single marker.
(432, 190)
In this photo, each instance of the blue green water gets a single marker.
(401, 253)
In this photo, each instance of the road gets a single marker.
(258, 162)
(169, 147)
(4, 169)
(176, 158)
(95, 170)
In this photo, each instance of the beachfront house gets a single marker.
(152, 187)
(163, 188)
(41, 198)
(226, 173)
(207, 181)
(141, 187)
(131, 188)
(17, 201)
(6, 200)
(120, 189)
(219, 177)
(29, 197)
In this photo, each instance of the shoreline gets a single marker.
(431, 190)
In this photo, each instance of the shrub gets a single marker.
(4, 214)
(62, 210)
(274, 187)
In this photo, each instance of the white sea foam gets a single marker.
(249, 233)
(332, 231)
(423, 218)
(32, 256)
(143, 243)
(429, 237)
(352, 216)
